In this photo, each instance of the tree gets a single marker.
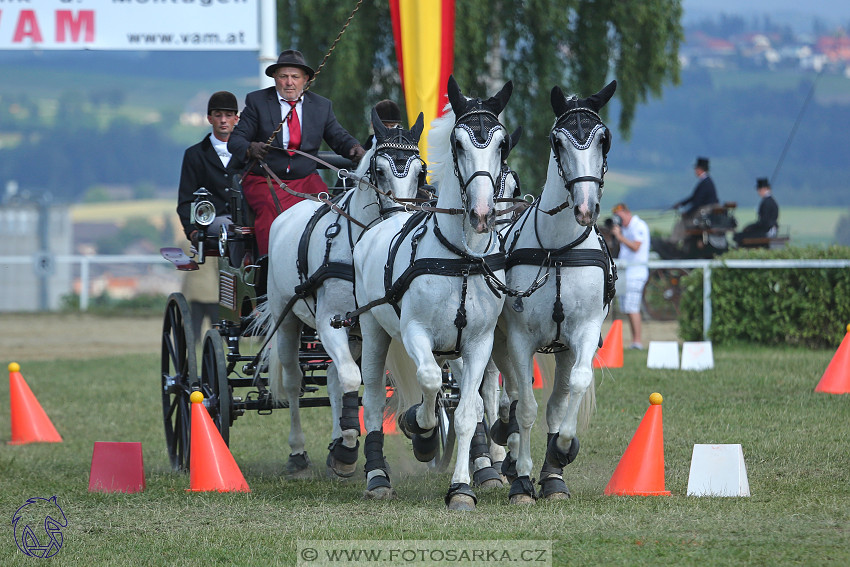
(576, 44)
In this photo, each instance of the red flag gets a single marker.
(424, 44)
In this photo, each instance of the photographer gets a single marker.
(632, 233)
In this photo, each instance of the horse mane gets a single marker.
(440, 160)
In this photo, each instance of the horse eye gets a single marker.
(381, 173)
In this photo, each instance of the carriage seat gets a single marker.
(777, 242)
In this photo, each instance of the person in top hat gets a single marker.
(207, 164)
(704, 195)
(768, 215)
(304, 119)
(632, 233)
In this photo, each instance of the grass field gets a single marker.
(796, 445)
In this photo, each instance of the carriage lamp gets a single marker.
(203, 211)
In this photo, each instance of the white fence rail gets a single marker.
(85, 263)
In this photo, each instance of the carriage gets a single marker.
(224, 367)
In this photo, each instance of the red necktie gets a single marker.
(294, 128)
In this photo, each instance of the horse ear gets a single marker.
(381, 131)
(600, 99)
(502, 97)
(456, 98)
(514, 139)
(418, 126)
(558, 101)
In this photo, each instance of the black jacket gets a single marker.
(261, 116)
(768, 215)
(704, 194)
(202, 168)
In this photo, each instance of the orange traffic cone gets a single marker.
(211, 465)
(538, 377)
(836, 379)
(388, 426)
(611, 353)
(641, 468)
(30, 423)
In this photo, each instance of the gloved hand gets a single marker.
(257, 150)
(356, 153)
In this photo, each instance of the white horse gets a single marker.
(554, 252)
(311, 277)
(425, 278)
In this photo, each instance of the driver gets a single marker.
(704, 195)
(310, 121)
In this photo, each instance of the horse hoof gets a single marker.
(298, 466)
(380, 493)
(341, 470)
(461, 503)
(557, 496)
(492, 483)
(523, 499)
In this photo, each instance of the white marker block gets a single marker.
(718, 470)
(663, 354)
(697, 356)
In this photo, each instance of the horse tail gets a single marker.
(402, 377)
(588, 406)
(262, 323)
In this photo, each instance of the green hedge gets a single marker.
(792, 306)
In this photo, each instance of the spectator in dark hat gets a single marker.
(207, 164)
(303, 119)
(389, 113)
(768, 215)
(704, 195)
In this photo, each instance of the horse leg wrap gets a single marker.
(425, 448)
(552, 481)
(555, 457)
(522, 485)
(408, 422)
(509, 468)
(373, 450)
(460, 488)
(350, 418)
(297, 463)
(480, 450)
(500, 431)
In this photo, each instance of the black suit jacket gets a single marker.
(202, 168)
(768, 215)
(260, 118)
(704, 194)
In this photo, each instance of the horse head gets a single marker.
(580, 142)
(479, 146)
(395, 166)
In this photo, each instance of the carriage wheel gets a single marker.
(218, 394)
(179, 372)
(663, 293)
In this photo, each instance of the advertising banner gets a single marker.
(162, 25)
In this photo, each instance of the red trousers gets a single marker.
(257, 193)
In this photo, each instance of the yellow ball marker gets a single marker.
(655, 399)
(196, 397)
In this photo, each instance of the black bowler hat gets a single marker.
(222, 100)
(388, 111)
(702, 163)
(290, 58)
(762, 182)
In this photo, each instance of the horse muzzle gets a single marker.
(482, 220)
(586, 216)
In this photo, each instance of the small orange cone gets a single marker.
(388, 427)
(30, 423)
(611, 353)
(211, 465)
(538, 377)
(641, 468)
(836, 379)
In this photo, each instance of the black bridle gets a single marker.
(401, 152)
(483, 116)
(581, 138)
